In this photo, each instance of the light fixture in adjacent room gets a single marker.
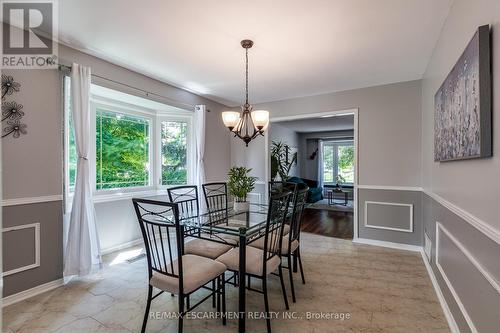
(248, 124)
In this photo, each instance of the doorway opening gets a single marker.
(322, 152)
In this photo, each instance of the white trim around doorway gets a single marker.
(353, 111)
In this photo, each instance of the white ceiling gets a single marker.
(311, 125)
(301, 47)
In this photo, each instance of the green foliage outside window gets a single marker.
(174, 152)
(346, 163)
(73, 156)
(343, 155)
(122, 150)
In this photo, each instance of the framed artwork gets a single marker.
(462, 105)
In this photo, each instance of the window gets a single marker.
(338, 162)
(174, 137)
(122, 150)
(136, 141)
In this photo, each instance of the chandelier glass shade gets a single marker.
(247, 124)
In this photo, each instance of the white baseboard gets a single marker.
(391, 245)
(439, 293)
(121, 246)
(20, 296)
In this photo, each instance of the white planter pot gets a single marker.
(241, 206)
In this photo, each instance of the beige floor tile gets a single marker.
(382, 290)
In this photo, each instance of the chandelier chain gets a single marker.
(246, 76)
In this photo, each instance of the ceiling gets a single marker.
(312, 125)
(302, 48)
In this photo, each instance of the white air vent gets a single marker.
(427, 246)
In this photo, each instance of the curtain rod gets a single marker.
(147, 93)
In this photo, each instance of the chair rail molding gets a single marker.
(36, 264)
(390, 187)
(31, 200)
(410, 228)
(482, 226)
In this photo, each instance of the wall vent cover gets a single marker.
(427, 246)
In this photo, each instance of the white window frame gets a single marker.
(190, 159)
(335, 146)
(129, 110)
(155, 113)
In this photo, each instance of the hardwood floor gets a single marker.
(328, 223)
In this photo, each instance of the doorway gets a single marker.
(324, 146)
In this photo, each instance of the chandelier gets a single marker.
(248, 124)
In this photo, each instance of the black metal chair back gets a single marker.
(277, 187)
(216, 199)
(277, 212)
(299, 204)
(187, 199)
(163, 236)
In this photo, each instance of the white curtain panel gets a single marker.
(200, 119)
(320, 163)
(82, 248)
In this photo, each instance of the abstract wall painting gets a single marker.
(462, 105)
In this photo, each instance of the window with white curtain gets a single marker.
(338, 162)
(139, 144)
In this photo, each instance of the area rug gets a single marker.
(323, 204)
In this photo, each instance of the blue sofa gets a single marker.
(315, 193)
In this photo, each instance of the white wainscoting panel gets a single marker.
(410, 206)
(36, 226)
(441, 230)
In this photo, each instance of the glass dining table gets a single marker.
(228, 226)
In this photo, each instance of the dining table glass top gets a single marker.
(227, 221)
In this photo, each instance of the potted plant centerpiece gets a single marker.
(239, 185)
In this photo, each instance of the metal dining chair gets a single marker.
(168, 268)
(260, 263)
(216, 198)
(279, 187)
(291, 239)
(187, 199)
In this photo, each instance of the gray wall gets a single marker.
(443, 178)
(280, 132)
(389, 147)
(49, 215)
(472, 186)
(480, 300)
(32, 165)
(389, 130)
(390, 209)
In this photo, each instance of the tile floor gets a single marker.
(382, 290)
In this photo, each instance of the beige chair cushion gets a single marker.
(206, 248)
(286, 229)
(197, 271)
(259, 244)
(254, 259)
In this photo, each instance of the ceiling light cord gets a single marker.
(246, 77)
